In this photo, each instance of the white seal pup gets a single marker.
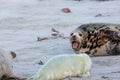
(64, 66)
(6, 63)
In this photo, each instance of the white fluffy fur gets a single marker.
(63, 66)
(5, 63)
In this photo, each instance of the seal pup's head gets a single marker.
(76, 39)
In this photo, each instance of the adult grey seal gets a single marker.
(96, 39)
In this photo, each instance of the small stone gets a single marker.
(40, 63)
(66, 10)
(98, 15)
(41, 38)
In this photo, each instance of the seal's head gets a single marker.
(76, 39)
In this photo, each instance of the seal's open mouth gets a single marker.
(75, 44)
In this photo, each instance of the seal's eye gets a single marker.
(80, 34)
(71, 34)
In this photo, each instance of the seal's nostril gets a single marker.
(74, 37)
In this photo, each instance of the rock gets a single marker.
(103, 0)
(98, 15)
(66, 10)
(41, 38)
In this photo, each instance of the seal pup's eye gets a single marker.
(71, 34)
(80, 34)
